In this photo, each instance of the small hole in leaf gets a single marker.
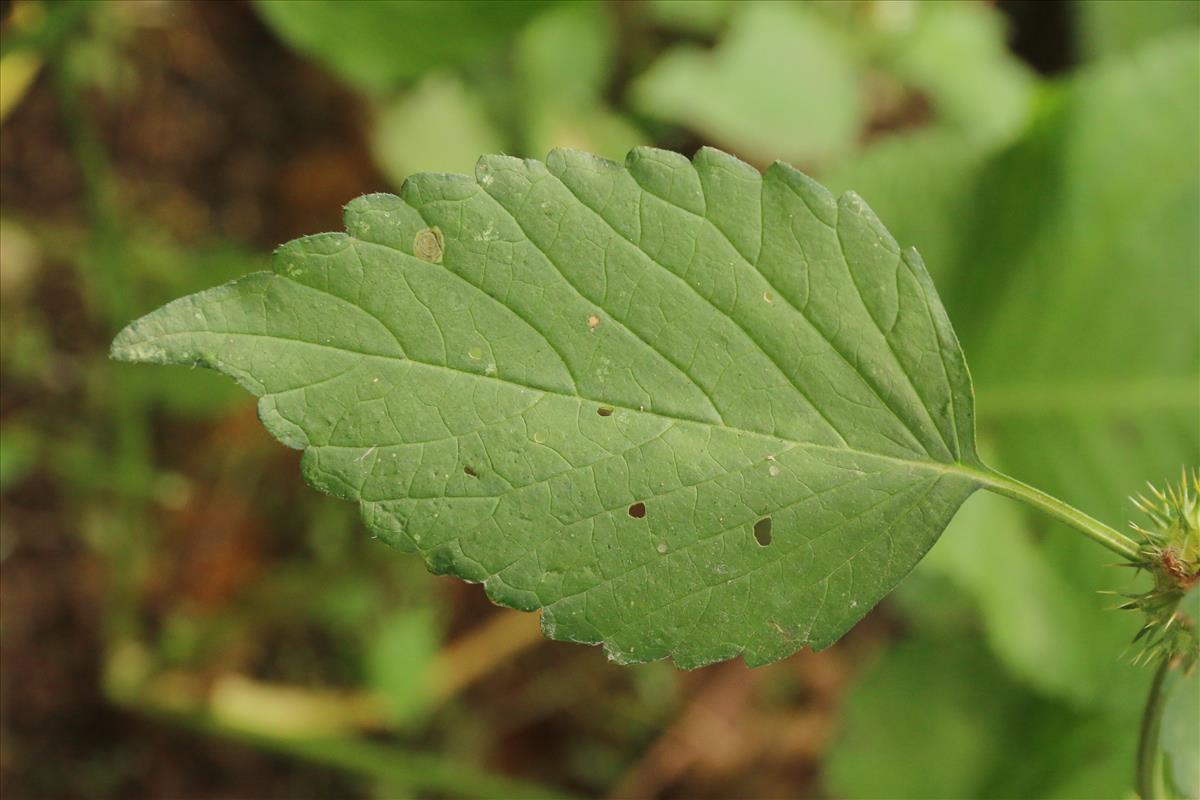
(762, 531)
(605, 411)
(470, 473)
(637, 510)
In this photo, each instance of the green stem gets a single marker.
(1147, 755)
(1093, 528)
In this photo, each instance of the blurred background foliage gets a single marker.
(182, 617)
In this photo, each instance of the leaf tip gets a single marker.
(130, 345)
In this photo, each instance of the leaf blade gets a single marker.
(712, 345)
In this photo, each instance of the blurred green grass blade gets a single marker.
(684, 408)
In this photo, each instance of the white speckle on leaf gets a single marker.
(488, 234)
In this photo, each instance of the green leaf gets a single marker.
(1094, 215)
(401, 140)
(1179, 736)
(781, 84)
(938, 166)
(684, 408)
(376, 44)
(1093, 210)
(693, 16)
(976, 724)
(963, 702)
(1113, 27)
(1034, 618)
(563, 61)
(957, 54)
(808, 82)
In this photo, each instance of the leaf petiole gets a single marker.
(1093, 528)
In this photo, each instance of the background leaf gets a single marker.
(812, 83)
(1035, 619)
(1116, 27)
(1077, 405)
(977, 723)
(1102, 237)
(960, 699)
(1179, 735)
(564, 63)
(377, 43)
(757, 90)
(401, 142)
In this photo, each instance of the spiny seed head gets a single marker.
(1170, 545)
(1169, 548)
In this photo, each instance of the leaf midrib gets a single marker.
(953, 467)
